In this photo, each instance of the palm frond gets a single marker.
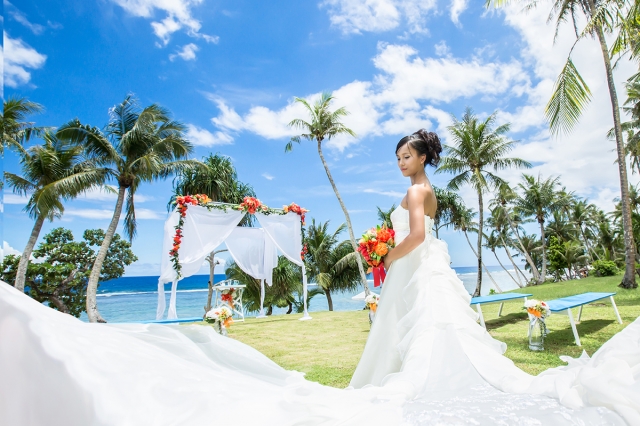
(570, 97)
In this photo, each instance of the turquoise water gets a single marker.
(135, 298)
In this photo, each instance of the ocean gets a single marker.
(129, 299)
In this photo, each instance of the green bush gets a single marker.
(604, 268)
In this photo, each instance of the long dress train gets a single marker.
(426, 362)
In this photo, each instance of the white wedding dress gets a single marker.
(426, 362)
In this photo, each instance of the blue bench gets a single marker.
(563, 306)
(170, 321)
(495, 298)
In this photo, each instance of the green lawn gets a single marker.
(328, 347)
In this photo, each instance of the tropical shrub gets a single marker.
(605, 268)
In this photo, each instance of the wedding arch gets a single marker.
(197, 226)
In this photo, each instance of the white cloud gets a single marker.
(188, 52)
(392, 102)
(202, 137)
(442, 49)
(178, 16)
(457, 7)
(141, 214)
(19, 57)
(7, 250)
(356, 16)
(102, 194)
(267, 176)
(21, 18)
(10, 198)
(394, 194)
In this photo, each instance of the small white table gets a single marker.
(237, 296)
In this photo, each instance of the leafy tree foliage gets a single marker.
(62, 267)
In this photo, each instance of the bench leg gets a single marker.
(479, 309)
(573, 327)
(500, 310)
(580, 313)
(615, 308)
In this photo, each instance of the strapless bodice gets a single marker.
(400, 221)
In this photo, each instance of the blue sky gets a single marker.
(230, 71)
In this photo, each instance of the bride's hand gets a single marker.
(387, 262)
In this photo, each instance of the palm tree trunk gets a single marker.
(525, 253)
(329, 301)
(352, 238)
(479, 254)
(212, 266)
(21, 274)
(483, 265)
(92, 285)
(629, 279)
(543, 274)
(506, 270)
(515, 267)
(290, 308)
(586, 243)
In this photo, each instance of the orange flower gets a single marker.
(534, 312)
(384, 235)
(373, 307)
(382, 249)
(228, 322)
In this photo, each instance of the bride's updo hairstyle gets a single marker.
(424, 143)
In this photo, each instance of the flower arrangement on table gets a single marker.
(538, 310)
(372, 301)
(374, 245)
(220, 317)
(250, 205)
(227, 296)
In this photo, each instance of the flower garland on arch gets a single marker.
(250, 205)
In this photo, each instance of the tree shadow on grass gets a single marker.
(511, 318)
(584, 329)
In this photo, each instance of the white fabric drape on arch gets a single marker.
(255, 253)
(203, 231)
(286, 232)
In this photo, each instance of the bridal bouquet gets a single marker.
(220, 317)
(372, 301)
(374, 245)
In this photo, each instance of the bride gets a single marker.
(426, 361)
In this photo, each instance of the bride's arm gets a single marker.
(415, 199)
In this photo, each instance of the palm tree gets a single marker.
(499, 236)
(218, 179)
(282, 293)
(448, 204)
(493, 242)
(463, 221)
(571, 93)
(581, 213)
(322, 126)
(53, 172)
(479, 151)
(560, 227)
(533, 246)
(385, 216)
(328, 261)
(501, 205)
(539, 199)
(16, 131)
(137, 145)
